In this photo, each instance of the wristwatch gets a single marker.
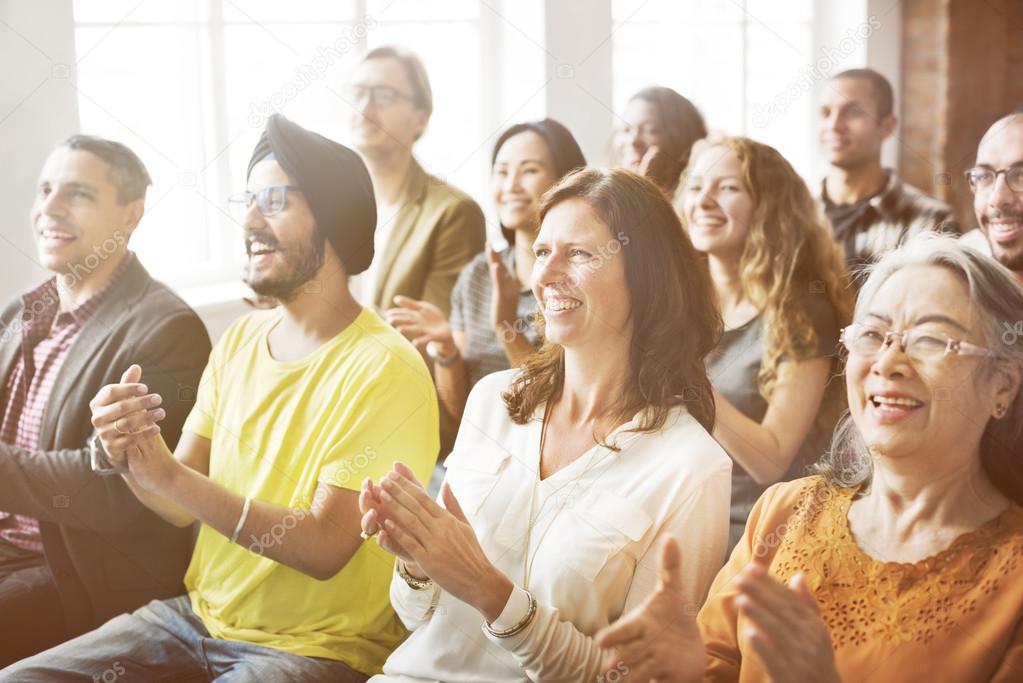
(99, 461)
(433, 351)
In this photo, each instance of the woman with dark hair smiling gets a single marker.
(657, 131)
(491, 306)
(902, 560)
(568, 471)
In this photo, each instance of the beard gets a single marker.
(302, 262)
(1011, 260)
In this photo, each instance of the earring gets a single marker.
(1000, 411)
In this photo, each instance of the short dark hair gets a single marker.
(422, 94)
(127, 172)
(883, 94)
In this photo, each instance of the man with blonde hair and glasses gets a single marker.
(427, 230)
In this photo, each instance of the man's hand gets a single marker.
(125, 415)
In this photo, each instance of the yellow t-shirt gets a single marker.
(349, 410)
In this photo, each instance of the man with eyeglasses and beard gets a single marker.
(997, 183)
(297, 405)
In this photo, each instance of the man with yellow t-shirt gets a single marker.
(296, 407)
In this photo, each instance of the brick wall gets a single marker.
(962, 68)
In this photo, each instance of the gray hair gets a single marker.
(998, 298)
(127, 172)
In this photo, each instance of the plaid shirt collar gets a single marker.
(42, 304)
(882, 201)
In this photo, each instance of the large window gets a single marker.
(188, 85)
(739, 61)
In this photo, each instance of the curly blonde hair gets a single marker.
(789, 252)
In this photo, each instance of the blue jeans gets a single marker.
(165, 641)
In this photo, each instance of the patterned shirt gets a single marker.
(470, 313)
(872, 227)
(46, 337)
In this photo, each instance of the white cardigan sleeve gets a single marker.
(552, 650)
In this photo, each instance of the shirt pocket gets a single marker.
(605, 524)
(473, 476)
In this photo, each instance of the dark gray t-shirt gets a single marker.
(470, 313)
(733, 368)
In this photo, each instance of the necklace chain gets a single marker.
(527, 560)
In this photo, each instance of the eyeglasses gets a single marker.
(982, 178)
(379, 95)
(918, 345)
(270, 200)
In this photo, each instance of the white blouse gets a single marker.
(593, 548)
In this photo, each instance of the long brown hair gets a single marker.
(789, 252)
(675, 322)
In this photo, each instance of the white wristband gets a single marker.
(241, 520)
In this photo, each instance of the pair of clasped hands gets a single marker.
(657, 641)
(125, 417)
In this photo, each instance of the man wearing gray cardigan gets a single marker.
(76, 547)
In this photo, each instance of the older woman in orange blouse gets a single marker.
(902, 560)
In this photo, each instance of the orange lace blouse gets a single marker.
(954, 617)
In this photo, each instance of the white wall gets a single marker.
(578, 66)
(839, 30)
(38, 108)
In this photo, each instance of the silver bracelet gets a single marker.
(241, 520)
(413, 582)
(519, 627)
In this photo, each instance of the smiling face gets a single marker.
(379, 130)
(905, 407)
(523, 171)
(999, 209)
(717, 205)
(76, 215)
(849, 130)
(640, 129)
(579, 279)
(285, 250)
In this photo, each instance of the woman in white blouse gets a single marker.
(567, 472)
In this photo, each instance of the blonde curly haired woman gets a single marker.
(783, 292)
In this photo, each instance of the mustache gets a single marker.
(264, 237)
(1012, 214)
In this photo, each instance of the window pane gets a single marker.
(731, 59)
(148, 105)
(270, 11)
(122, 12)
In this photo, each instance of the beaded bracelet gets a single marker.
(413, 582)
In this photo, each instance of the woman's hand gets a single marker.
(658, 640)
(504, 300)
(785, 631)
(421, 323)
(441, 543)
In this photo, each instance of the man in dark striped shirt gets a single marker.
(871, 209)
